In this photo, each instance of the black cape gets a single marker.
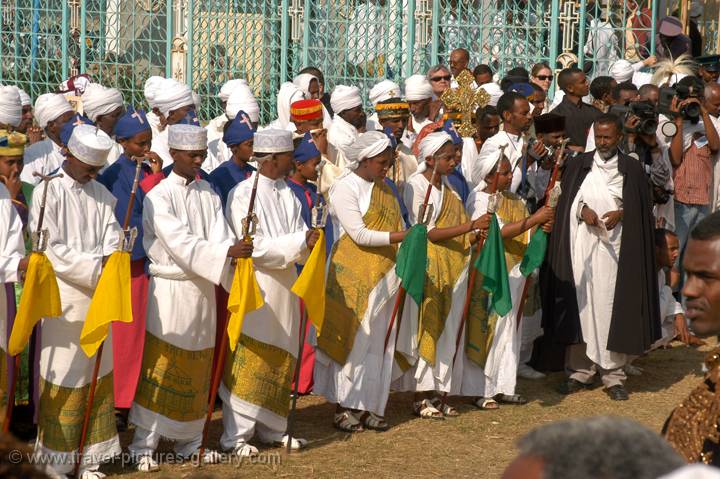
(635, 321)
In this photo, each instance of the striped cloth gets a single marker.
(693, 178)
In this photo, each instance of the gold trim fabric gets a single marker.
(260, 374)
(354, 272)
(480, 327)
(62, 410)
(174, 382)
(446, 260)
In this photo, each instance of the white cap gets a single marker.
(273, 141)
(90, 145)
(344, 98)
(384, 90)
(49, 107)
(187, 137)
(229, 87)
(417, 87)
(10, 106)
(242, 99)
(98, 100)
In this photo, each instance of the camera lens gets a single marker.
(648, 127)
(691, 111)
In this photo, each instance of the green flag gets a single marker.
(535, 252)
(412, 262)
(491, 263)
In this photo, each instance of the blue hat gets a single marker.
(389, 133)
(449, 128)
(524, 89)
(306, 150)
(69, 126)
(190, 119)
(239, 130)
(131, 123)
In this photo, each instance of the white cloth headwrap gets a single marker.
(621, 71)
(417, 87)
(98, 100)
(242, 99)
(367, 145)
(495, 92)
(49, 107)
(197, 100)
(344, 98)
(487, 160)
(151, 88)
(10, 106)
(90, 145)
(24, 97)
(289, 93)
(229, 87)
(302, 81)
(384, 90)
(431, 144)
(172, 95)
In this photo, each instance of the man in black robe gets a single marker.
(597, 324)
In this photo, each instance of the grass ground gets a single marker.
(477, 444)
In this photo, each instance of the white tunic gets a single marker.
(279, 243)
(44, 157)
(160, 146)
(12, 250)
(341, 135)
(218, 153)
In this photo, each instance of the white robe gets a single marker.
(186, 239)
(82, 230)
(363, 382)
(44, 157)
(341, 135)
(669, 308)
(218, 153)
(595, 253)
(12, 250)
(160, 146)
(514, 149)
(215, 127)
(279, 243)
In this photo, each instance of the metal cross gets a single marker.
(569, 19)
(296, 12)
(423, 14)
(138, 117)
(465, 100)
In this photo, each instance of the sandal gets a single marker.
(516, 399)
(372, 421)
(446, 409)
(486, 403)
(347, 422)
(425, 410)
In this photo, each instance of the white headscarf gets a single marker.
(229, 87)
(488, 158)
(621, 71)
(417, 87)
(150, 89)
(98, 100)
(302, 81)
(10, 106)
(172, 95)
(344, 98)
(382, 91)
(49, 107)
(288, 94)
(242, 99)
(24, 97)
(367, 145)
(495, 92)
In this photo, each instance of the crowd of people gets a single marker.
(613, 175)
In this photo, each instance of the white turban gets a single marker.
(344, 98)
(431, 144)
(172, 95)
(488, 158)
(151, 88)
(24, 97)
(495, 92)
(302, 81)
(621, 71)
(365, 146)
(229, 87)
(384, 90)
(49, 107)
(288, 94)
(10, 106)
(417, 87)
(90, 145)
(98, 100)
(242, 99)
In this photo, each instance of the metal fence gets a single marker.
(206, 42)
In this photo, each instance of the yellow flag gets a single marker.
(111, 301)
(244, 297)
(310, 285)
(40, 299)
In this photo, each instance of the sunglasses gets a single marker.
(446, 78)
(544, 77)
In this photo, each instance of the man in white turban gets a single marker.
(52, 111)
(150, 89)
(216, 125)
(79, 216)
(349, 119)
(104, 106)
(381, 91)
(289, 93)
(10, 107)
(27, 113)
(419, 94)
(624, 71)
(310, 84)
(174, 101)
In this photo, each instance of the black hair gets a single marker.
(609, 119)
(482, 69)
(507, 102)
(601, 86)
(484, 112)
(315, 72)
(565, 77)
(708, 228)
(624, 86)
(661, 236)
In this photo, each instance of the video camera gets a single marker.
(689, 112)
(645, 111)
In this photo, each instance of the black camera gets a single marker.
(645, 111)
(689, 112)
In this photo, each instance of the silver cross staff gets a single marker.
(40, 235)
(494, 199)
(319, 213)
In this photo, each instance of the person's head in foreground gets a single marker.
(701, 263)
(593, 448)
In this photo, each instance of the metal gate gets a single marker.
(206, 42)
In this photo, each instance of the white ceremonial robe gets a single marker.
(82, 230)
(514, 149)
(160, 146)
(341, 135)
(12, 250)
(154, 122)
(186, 239)
(363, 382)
(413, 130)
(500, 373)
(595, 253)
(218, 153)
(279, 243)
(215, 127)
(44, 157)
(423, 376)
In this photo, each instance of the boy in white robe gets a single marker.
(258, 374)
(82, 232)
(190, 247)
(172, 102)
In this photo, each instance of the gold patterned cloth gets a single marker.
(353, 274)
(481, 326)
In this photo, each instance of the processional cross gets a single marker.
(465, 99)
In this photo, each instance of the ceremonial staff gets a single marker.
(39, 243)
(127, 243)
(249, 225)
(318, 219)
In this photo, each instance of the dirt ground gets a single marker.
(477, 443)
